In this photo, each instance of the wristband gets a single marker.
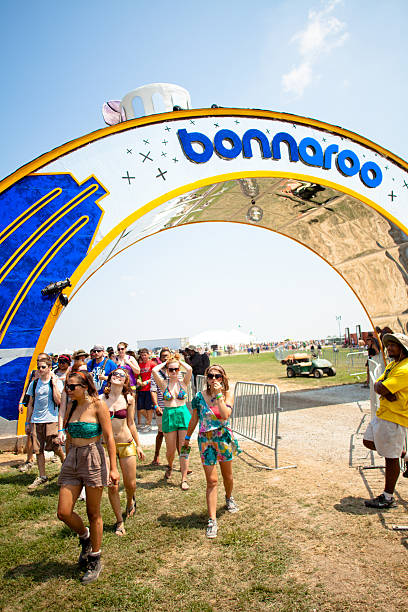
(155, 407)
(187, 437)
(219, 396)
(27, 423)
(61, 430)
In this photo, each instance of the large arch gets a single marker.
(331, 190)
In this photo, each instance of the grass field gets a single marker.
(265, 368)
(164, 562)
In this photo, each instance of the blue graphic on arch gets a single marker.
(47, 224)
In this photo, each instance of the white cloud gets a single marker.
(297, 79)
(323, 33)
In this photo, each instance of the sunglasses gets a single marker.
(44, 367)
(119, 375)
(73, 386)
(216, 376)
(174, 369)
(121, 348)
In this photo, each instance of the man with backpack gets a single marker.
(42, 416)
(100, 367)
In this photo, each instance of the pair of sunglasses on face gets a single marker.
(119, 375)
(174, 369)
(212, 376)
(73, 386)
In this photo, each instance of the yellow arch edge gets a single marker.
(72, 145)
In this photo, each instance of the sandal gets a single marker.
(167, 473)
(131, 511)
(120, 529)
(184, 485)
(155, 462)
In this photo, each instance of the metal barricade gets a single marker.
(199, 382)
(357, 363)
(256, 414)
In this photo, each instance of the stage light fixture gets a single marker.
(57, 287)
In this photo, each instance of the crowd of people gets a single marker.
(92, 407)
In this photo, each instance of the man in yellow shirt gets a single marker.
(387, 432)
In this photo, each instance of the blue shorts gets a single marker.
(144, 400)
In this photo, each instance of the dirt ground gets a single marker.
(348, 550)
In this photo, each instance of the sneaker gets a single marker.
(405, 474)
(212, 529)
(231, 505)
(26, 466)
(86, 548)
(93, 569)
(40, 480)
(380, 502)
(147, 428)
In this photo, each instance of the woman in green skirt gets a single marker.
(176, 415)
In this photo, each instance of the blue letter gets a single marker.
(290, 141)
(328, 155)
(261, 140)
(233, 138)
(342, 166)
(311, 160)
(368, 180)
(186, 141)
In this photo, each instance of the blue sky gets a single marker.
(343, 62)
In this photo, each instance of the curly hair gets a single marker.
(220, 370)
(126, 390)
(173, 357)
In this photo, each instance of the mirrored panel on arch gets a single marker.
(368, 249)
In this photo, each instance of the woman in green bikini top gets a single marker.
(176, 415)
(85, 465)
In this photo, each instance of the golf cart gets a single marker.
(300, 364)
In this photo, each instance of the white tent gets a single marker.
(221, 337)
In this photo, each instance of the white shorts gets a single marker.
(389, 438)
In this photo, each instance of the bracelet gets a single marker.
(27, 423)
(219, 396)
(187, 437)
(61, 430)
(155, 407)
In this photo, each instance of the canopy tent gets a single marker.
(221, 337)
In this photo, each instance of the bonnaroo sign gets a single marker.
(68, 212)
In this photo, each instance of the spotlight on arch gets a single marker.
(57, 287)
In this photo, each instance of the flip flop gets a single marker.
(131, 511)
(184, 485)
(167, 473)
(120, 529)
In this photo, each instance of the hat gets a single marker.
(98, 347)
(397, 338)
(79, 353)
(191, 347)
(64, 358)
